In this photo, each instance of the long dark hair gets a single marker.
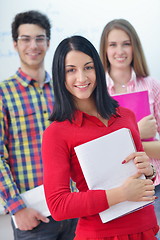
(64, 106)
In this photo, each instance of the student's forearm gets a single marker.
(152, 149)
(133, 189)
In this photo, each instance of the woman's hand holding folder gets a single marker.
(134, 188)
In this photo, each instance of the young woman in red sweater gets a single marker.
(84, 111)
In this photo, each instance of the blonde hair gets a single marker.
(139, 62)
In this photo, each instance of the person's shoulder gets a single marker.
(8, 82)
(58, 132)
(127, 115)
(151, 81)
(125, 111)
(150, 78)
(58, 128)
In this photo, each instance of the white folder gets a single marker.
(101, 163)
(35, 199)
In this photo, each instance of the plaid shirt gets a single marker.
(24, 113)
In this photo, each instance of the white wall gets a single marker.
(6, 232)
(86, 18)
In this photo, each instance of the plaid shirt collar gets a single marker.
(26, 80)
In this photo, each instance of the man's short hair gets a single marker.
(30, 17)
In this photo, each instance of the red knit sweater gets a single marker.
(61, 164)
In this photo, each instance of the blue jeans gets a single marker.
(54, 230)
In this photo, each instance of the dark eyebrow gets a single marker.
(84, 64)
(70, 66)
(41, 35)
(24, 35)
(88, 63)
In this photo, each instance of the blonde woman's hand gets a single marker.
(147, 127)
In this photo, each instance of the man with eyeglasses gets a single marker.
(26, 101)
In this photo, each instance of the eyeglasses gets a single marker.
(26, 40)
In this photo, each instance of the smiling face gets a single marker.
(80, 75)
(119, 49)
(31, 53)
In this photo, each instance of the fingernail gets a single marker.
(124, 161)
(156, 197)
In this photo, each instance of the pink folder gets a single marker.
(138, 102)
